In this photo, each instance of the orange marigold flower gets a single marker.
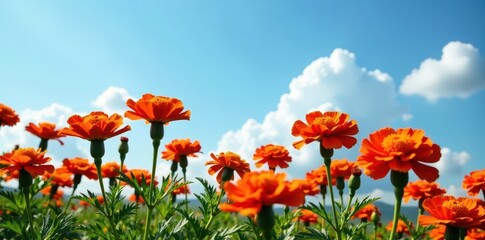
(95, 126)
(341, 168)
(179, 147)
(156, 109)
(401, 227)
(79, 166)
(100, 199)
(46, 131)
(400, 150)
(332, 129)
(110, 170)
(28, 159)
(437, 233)
(274, 155)
(61, 179)
(365, 213)
(138, 175)
(474, 182)
(181, 190)
(11, 175)
(47, 191)
(257, 189)
(475, 234)
(458, 212)
(307, 216)
(421, 190)
(136, 198)
(318, 176)
(83, 203)
(309, 187)
(227, 160)
(8, 117)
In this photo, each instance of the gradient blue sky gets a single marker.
(230, 61)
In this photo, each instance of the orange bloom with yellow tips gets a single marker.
(110, 169)
(475, 182)
(27, 159)
(309, 187)
(46, 131)
(179, 147)
(156, 109)
(95, 126)
(400, 150)
(318, 176)
(227, 161)
(8, 117)
(273, 155)
(257, 189)
(421, 190)
(61, 179)
(457, 212)
(341, 168)
(78, 166)
(331, 129)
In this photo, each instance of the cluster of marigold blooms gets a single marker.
(388, 150)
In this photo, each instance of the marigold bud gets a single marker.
(227, 174)
(97, 149)
(354, 181)
(123, 148)
(399, 179)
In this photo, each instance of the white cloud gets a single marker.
(406, 117)
(459, 73)
(452, 162)
(456, 191)
(328, 83)
(112, 100)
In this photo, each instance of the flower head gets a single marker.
(95, 126)
(181, 190)
(274, 155)
(227, 160)
(138, 175)
(79, 166)
(318, 176)
(341, 168)
(8, 117)
(307, 186)
(475, 234)
(61, 179)
(110, 169)
(401, 227)
(57, 195)
(28, 159)
(156, 109)
(458, 212)
(46, 131)
(136, 199)
(332, 129)
(179, 147)
(400, 150)
(365, 213)
(308, 216)
(257, 189)
(421, 190)
(437, 233)
(474, 182)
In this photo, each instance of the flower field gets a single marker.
(261, 203)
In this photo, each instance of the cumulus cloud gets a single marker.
(112, 100)
(459, 73)
(329, 83)
(452, 162)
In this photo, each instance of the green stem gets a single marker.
(398, 193)
(452, 233)
(149, 202)
(70, 198)
(185, 190)
(29, 211)
(211, 218)
(106, 202)
(328, 161)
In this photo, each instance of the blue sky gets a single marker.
(248, 69)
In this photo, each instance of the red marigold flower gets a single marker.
(110, 170)
(474, 182)
(11, 175)
(341, 168)
(156, 109)
(8, 117)
(475, 234)
(181, 190)
(318, 176)
(421, 190)
(95, 126)
(437, 233)
(47, 191)
(332, 129)
(179, 147)
(227, 160)
(274, 155)
(309, 187)
(79, 166)
(400, 150)
(401, 227)
(365, 213)
(27, 159)
(45, 131)
(307, 216)
(61, 179)
(458, 212)
(83, 203)
(138, 175)
(257, 189)
(136, 198)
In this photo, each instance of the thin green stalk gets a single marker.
(106, 202)
(149, 203)
(398, 193)
(186, 198)
(29, 211)
(332, 198)
(211, 218)
(70, 198)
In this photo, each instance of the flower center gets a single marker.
(326, 121)
(95, 118)
(29, 152)
(459, 209)
(158, 100)
(397, 143)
